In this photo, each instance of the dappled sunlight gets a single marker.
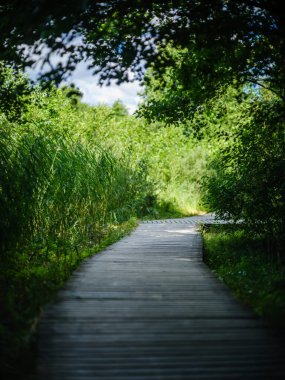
(191, 231)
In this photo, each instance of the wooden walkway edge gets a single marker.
(148, 307)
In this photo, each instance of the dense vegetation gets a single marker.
(224, 40)
(209, 135)
(61, 199)
(73, 179)
(249, 182)
(244, 130)
(242, 261)
(173, 162)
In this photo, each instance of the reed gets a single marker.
(56, 189)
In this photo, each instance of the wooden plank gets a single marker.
(149, 308)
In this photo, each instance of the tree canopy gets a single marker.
(223, 39)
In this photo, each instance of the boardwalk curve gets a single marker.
(148, 307)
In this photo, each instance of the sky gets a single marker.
(94, 94)
(87, 83)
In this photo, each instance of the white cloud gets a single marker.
(88, 83)
(94, 94)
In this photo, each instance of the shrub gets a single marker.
(249, 171)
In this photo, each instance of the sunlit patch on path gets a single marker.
(148, 307)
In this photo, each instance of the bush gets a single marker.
(248, 181)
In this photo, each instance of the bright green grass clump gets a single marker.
(61, 200)
(56, 189)
(243, 263)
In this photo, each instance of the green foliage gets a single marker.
(62, 197)
(55, 186)
(30, 281)
(241, 130)
(225, 39)
(119, 109)
(15, 90)
(165, 98)
(241, 260)
(72, 178)
(174, 162)
(248, 168)
(73, 93)
(70, 173)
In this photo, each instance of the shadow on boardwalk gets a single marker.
(149, 308)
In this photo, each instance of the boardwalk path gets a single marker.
(149, 308)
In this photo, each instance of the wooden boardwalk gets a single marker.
(148, 307)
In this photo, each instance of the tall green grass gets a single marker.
(61, 199)
(55, 188)
(74, 178)
(175, 162)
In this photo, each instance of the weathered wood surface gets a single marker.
(149, 308)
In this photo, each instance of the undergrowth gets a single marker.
(241, 260)
(27, 285)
